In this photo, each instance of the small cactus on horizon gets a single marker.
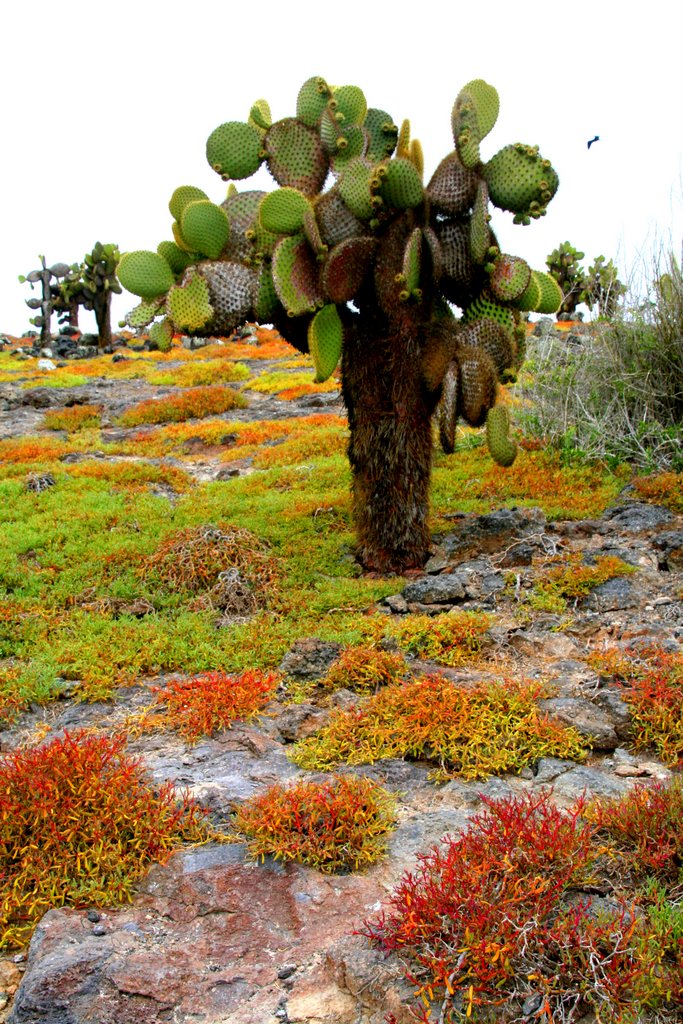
(47, 277)
(365, 271)
(599, 286)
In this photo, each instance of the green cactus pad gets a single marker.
(266, 300)
(295, 275)
(259, 116)
(282, 211)
(354, 188)
(345, 268)
(296, 156)
(232, 289)
(350, 105)
(412, 262)
(452, 187)
(352, 143)
(242, 211)
(403, 140)
(550, 298)
(325, 338)
(330, 131)
(382, 132)
(312, 100)
(466, 131)
(205, 227)
(486, 104)
(335, 221)
(531, 296)
(480, 233)
(495, 339)
(143, 314)
(187, 303)
(179, 240)
(509, 278)
(502, 449)
(447, 409)
(401, 187)
(477, 385)
(177, 259)
(521, 181)
(144, 273)
(183, 195)
(234, 150)
(161, 334)
(484, 307)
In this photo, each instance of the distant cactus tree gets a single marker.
(602, 287)
(47, 277)
(98, 283)
(354, 259)
(564, 266)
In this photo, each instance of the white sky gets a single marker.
(106, 108)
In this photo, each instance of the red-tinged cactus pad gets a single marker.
(232, 288)
(457, 267)
(401, 186)
(205, 227)
(312, 100)
(382, 134)
(296, 156)
(295, 275)
(509, 277)
(177, 258)
(503, 450)
(354, 188)
(325, 338)
(345, 268)
(477, 385)
(183, 195)
(453, 186)
(145, 273)
(521, 181)
(311, 230)
(188, 303)
(335, 219)
(282, 211)
(234, 150)
(246, 235)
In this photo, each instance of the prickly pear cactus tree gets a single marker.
(602, 287)
(48, 278)
(356, 260)
(563, 264)
(98, 283)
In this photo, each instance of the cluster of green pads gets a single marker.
(346, 173)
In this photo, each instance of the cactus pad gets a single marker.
(412, 262)
(177, 259)
(476, 385)
(401, 186)
(354, 188)
(480, 233)
(550, 298)
(325, 337)
(509, 277)
(259, 116)
(495, 339)
(295, 156)
(266, 300)
(183, 195)
(484, 307)
(144, 273)
(447, 409)
(335, 220)
(205, 227)
(312, 100)
(232, 288)
(456, 259)
(521, 181)
(187, 303)
(143, 314)
(352, 142)
(161, 334)
(234, 150)
(350, 105)
(502, 449)
(295, 275)
(345, 268)
(452, 187)
(382, 133)
(282, 211)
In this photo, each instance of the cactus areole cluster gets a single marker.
(355, 260)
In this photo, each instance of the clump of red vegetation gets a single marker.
(74, 417)
(32, 449)
(341, 824)
(490, 924)
(79, 824)
(210, 701)
(661, 489)
(651, 680)
(194, 403)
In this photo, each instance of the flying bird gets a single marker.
(596, 139)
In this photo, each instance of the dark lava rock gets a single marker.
(669, 548)
(613, 595)
(310, 658)
(636, 516)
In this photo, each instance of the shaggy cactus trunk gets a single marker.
(390, 449)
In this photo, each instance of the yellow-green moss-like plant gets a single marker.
(474, 732)
(194, 403)
(338, 825)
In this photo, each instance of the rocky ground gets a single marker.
(214, 937)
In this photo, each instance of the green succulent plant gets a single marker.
(563, 264)
(602, 287)
(356, 260)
